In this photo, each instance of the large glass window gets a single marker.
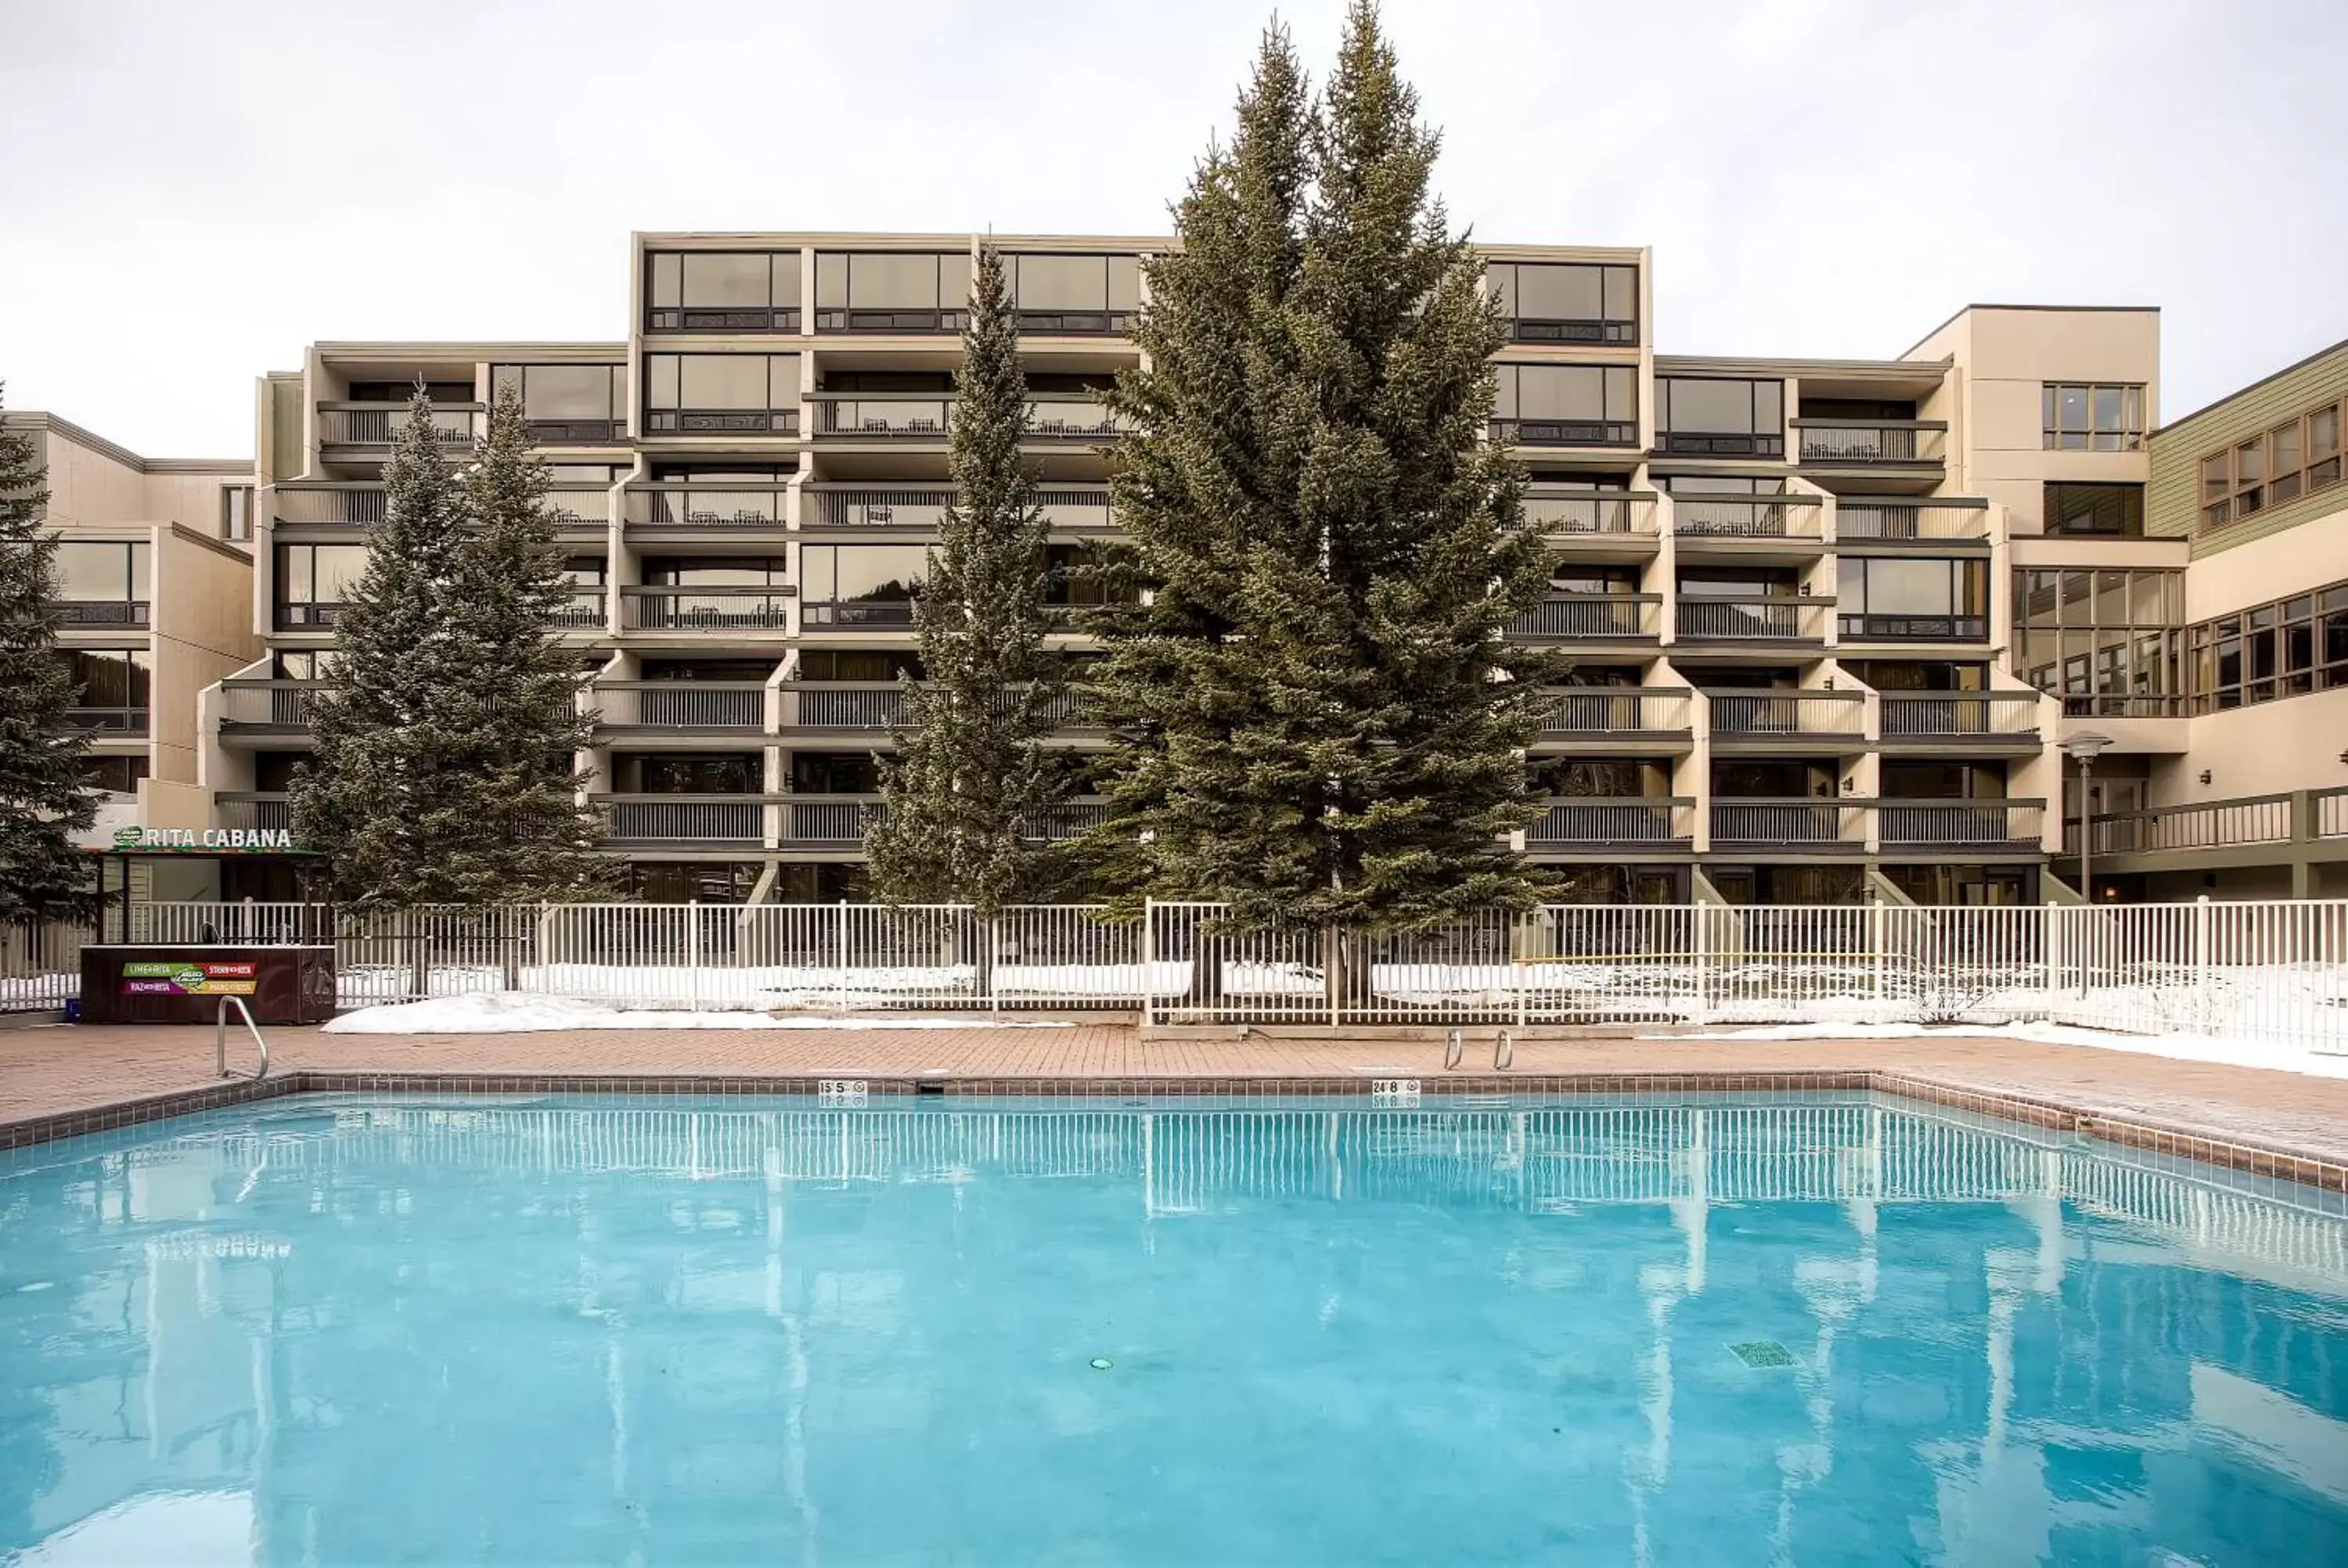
(687, 773)
(2285, 647)
(1567, 406)
(114, 684)
(861, 585)
(2110, 510)
(2105, 642)
(1707, 415)
(722, 290)
(566, 403)
(891, 290)
(1910, 599)
(715, 572)
(1567, 302)
(1059, 294)
(2080, 417)
(696, 394)
(2293, 460)
(90, 572)
(312, 581)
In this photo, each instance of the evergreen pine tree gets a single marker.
(1324, 720)
(44, 796)
(971, 780)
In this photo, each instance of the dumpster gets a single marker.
(121, 983)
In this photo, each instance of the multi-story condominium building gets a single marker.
(1802, 674)
(155, 570)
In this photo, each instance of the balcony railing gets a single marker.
(75, 613)
(681, 705)
(1068, 818)
(1959, 824)
(1960, 715)
(857, 614)
(1913, 628)
(1561, 329)
(1866, 518)
(249, 810)
(667, 505)
(301, 616)
(1757, 620)
(2331, 814)
(379, 424)
(1076, 323)
(2211, 825)
(1615, 711)
(843, 705)
(684, 818)
(1722, 442)
(108, 721)
(914, 416)
(722, 319)
(585, 613)
(576, 431)
(861, 507)
(721, 421)
(912, 319)
(706, 609)
(1889, 441)
(1598, 822)
(325, 503)
(1615, 615)
(1804, 824)
(1786, 517)
(269, 704)
(1585, 512)
(827, 819)
(1565, 432)
(1766, 713)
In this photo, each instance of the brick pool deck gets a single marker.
(57, 1080)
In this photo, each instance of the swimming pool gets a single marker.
(1718, 1330)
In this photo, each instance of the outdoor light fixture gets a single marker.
(2083, 748)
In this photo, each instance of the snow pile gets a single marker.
(2275, 1055)
(1168, 977)
(515, 1012)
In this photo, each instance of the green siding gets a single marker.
(2173, 500)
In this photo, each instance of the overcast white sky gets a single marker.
(192, 191)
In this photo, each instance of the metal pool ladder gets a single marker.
(219, 1038)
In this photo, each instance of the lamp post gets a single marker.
(2083, 748)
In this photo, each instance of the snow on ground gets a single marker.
(2274, 1054)
(514, 1013)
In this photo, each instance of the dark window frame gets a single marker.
(2055, 431)
(679, 317)
(2233, 491)
(1606, 327)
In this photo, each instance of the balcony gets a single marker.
(843, 705)
(2009, 825)
(827, 821)
(1720, 443)
(721, 421)
(2332, 813)
(1875, 443)
(729, 705)
(1614, 711)
(726, 819)
(1617, 616)
(585, 613)
(1960, 717)
(658, 609)
(1753, 619)
(1590, 822)
(857, 507)
(669, 505)
(248, 810)
(1871, 520)
(1809, 826)
(1785, 516)
(1565, 433)
(109, 722)
(1770, 715)
(99, 614)
(1585, 514)
(857, 614)
(2209, 825)
(372, 427)
(268, 704)
(1913, 628)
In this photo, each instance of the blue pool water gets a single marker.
(349, 1330)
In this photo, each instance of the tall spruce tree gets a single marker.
(1323, 719)
(44, 794)
(442, 771)
(971, 782)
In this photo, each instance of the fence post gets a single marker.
(1699, 1010)
(693, 954)
(2053, 946)
(1875, 946)
(1148, 967)
(1333, 971)
(993, 952)
(2201, 964)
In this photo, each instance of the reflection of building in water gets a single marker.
(774, 1304)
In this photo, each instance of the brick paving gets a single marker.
(46, 1071)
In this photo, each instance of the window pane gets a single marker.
(878, 281)
(1909, 588)
(1622, 392)
(666, 288)
(93, 571)
(2249, 462)
(1768, 406)
(1559, 391)
(1714, 407)
(725, 278)
(335, 570)
(2111, 598)
(1060, 283)
(1622, 293)
(722, 381)
(2283, 447)
(2106, 408)
(1850, 585)
(660, 371)
(2071, 408)
(866, 571)
(782, 380)
(567, 392)
(1125, 282)
(1546, 292)
(2147, 605)
(783, 285)
(830, 281)
(2324, 433)
(2215, 477)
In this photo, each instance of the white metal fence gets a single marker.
(2267, 972)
